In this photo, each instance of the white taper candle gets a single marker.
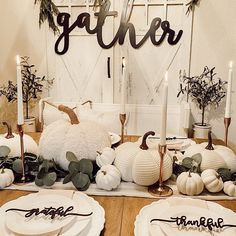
(229, 91)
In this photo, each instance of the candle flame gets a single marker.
(166, 77)
(123, 61)
(18, 60)
(231, 63)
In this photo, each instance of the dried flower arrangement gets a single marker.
(205, 90)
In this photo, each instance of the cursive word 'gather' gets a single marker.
(49, 211)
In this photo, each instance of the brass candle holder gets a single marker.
(122, 121)
(21, 134)
(227, 121)
(159, 189)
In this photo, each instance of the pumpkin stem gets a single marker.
(2, 170)
(99, 153)
(144, 145)
(189, 174)
(9, 130)
(104, 172)
(73, 117)
(209, 145)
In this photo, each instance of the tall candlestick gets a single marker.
(164, 112)
(229, 90)
(20, 114)
(123, 87)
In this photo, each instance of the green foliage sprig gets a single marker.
(47, 11)
(80, 172)
(191, 5)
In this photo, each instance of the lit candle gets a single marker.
(123, 87)
(229, 90)
(20, 115)
(164, 111)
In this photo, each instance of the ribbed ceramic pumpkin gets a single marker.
(146, 165)
(189, 183)
(12, 141)
(212, 181)
(230, 188)
(213, 156)
(84, 139)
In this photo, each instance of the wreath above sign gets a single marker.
(48, 10)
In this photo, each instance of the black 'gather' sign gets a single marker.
(83, 21)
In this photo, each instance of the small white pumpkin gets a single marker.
(146, 164)
(12, 141)
(106, 157)
(190, 183)
(108, 177)
(6, 177)
(213, 156)
(212, 180)
(230, 188)
(84, 139)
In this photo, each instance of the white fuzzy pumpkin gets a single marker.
(212, 181)
(230, 188)
(12, 141)
(106, 157)
(84, 139)
(108, 177)
(6, 178)
(213, 156)
(189, 183)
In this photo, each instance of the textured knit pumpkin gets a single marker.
(146, 165)
(108, 177)
(106, 157)
(230, 188)
(84, 139)
(212, 181)
(189, 183)
(213, 156)
(6, 178)
(12, 141)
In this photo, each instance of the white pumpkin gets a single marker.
(84, 139)
(213, 156)
(6, 178)
(108, 177)
(189, 183)
(212, 181)
(230, 188)
(146, 165)
(106, 157)
(12, 141)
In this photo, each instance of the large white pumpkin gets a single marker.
(12, 141)
(141, 164)
(84, 139)
(213, 156)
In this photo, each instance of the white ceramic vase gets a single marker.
(201, 131)
(30, 125)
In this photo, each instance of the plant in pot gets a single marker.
(32, 86)
(205, 90)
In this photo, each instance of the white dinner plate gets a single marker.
(191, 208)
(40, 224)
(88, 226)
(115, 138)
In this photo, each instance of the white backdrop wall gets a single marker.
(214, 44)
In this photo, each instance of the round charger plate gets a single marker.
(35, 225)
(191, 208)
(92, 227)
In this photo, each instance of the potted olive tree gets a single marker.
(32, 86)
(205, 90)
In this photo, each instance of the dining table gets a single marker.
(120, 211)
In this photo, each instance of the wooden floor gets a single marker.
(120, 211)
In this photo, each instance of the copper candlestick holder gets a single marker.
(227, 121)
(21, 134)
(122, 121)
(159, 189)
